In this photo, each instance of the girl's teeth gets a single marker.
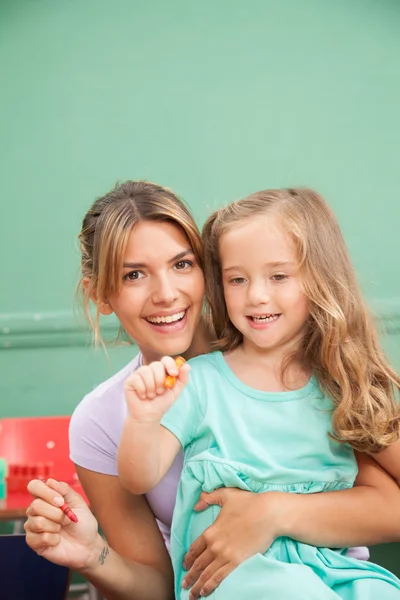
(265, 318)
(168, 319)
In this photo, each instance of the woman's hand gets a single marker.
(146, 394)
(245, 526)
(52, 534)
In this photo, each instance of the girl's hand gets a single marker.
(244, 527)
(50, 533)
(147, 397)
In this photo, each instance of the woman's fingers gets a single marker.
(210, 580)
(195, 550)
(56, 493)
(198, 567)
(41, 509)
(40, 542)
(40, 489)
(42, 525)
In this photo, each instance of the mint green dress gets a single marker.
(235, 436)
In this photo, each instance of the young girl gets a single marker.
(300, 379)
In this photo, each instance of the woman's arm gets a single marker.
(133, 564)
(367, 514)
(140, 566)
(248, 523)
(389, 459)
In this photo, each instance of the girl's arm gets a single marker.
(146, 450)
(366, 514)
(133, 564)
(389, 459)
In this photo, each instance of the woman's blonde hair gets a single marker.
(340, 344)
(105, 231)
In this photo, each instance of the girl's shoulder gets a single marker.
(205, 361)
(96, 423)
(204, 365)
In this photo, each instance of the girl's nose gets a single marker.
(258, 293)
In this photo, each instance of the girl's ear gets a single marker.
(103, 306)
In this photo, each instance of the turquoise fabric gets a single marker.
(235, 436)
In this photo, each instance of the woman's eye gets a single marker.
(133, 276)
(279, 277)
(183, 264)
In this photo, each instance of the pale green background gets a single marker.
(214, 98)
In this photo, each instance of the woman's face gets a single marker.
(162, 290)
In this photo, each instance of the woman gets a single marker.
(142, 260)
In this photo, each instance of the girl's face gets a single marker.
(162, 290)
(262, 285)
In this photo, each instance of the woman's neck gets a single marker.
(202, 340)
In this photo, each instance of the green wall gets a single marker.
(215, 99)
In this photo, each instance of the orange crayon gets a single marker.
(169, 381)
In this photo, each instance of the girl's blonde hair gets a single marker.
(105, 231)
(340, 344)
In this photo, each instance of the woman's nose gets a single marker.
(165, 292)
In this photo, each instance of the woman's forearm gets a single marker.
(118, 578)
(359, 516)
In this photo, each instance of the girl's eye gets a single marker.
(237, 280)
(133, 276)
(182, 265)
(279, 277)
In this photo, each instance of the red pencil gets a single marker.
(67, 511)
(65, 508)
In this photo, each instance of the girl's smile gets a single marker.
(262, 321)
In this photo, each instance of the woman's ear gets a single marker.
(103, 306)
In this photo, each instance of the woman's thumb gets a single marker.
(208, 498)
(71, 497)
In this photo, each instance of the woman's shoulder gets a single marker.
(97, 422)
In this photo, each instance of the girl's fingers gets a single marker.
(135, 383)
(177, 369)
(159, 376)
(149, 382)
(184, 373)
(170, 366)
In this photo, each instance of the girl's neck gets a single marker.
(267, 371)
